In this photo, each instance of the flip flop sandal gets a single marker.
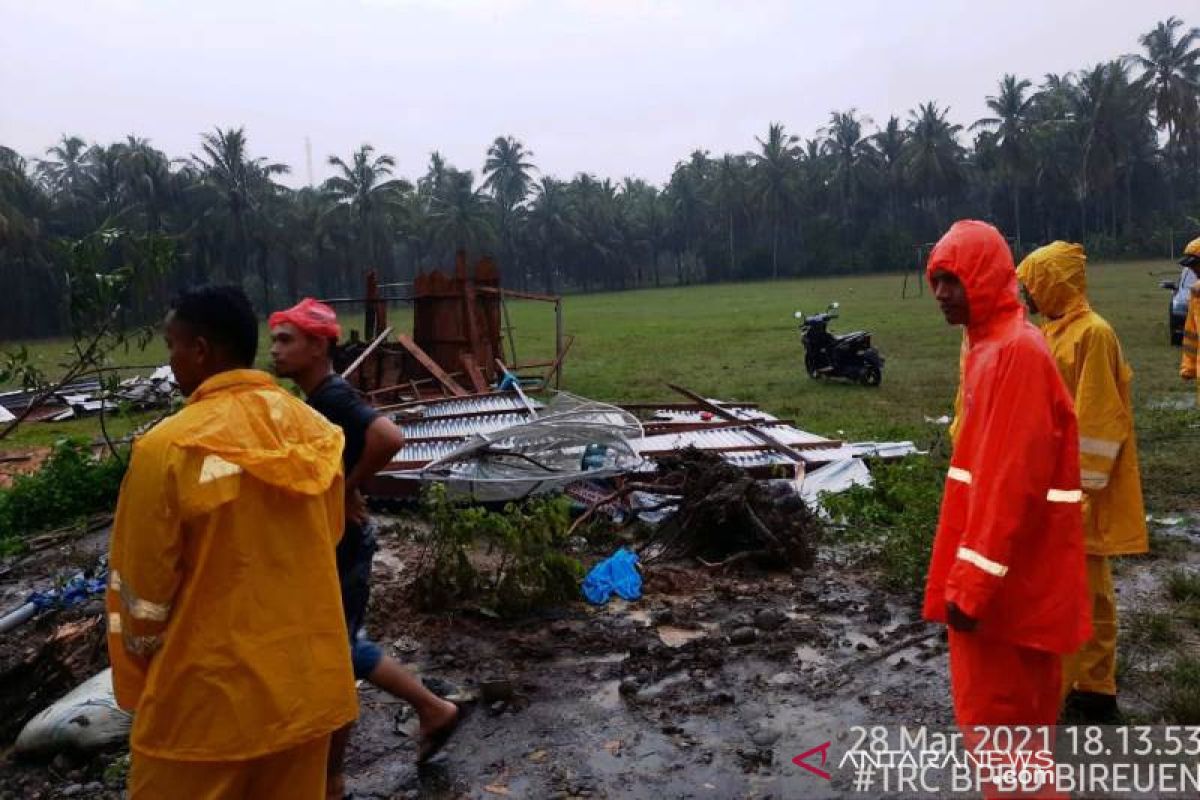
(432, 744)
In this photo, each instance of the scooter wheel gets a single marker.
(870, 376)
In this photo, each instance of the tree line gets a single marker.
(1108, 155)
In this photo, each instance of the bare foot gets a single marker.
(436, 729)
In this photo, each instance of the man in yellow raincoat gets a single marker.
(1191, 325)
(226, 633)
(1097, 376)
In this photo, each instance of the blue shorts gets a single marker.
(365, 655)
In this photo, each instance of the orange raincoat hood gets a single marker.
(976, 254)
(300, 452)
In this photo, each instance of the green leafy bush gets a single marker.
(507, 561)
(71, 484)
(892, 523)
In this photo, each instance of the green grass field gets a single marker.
(739, 341)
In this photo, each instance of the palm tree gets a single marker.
(1171, 73)
(551, 226)
(889, 148)
(25, 251)
(508, 173)
(775, 181)
(146, 173)
(933, 158)
(65, 175)
(1171, 70)
(845, 144)
(685, 193)
(1011, 123)
(728, 193)
(66, 172)
(508, 178)
(459, 216)
(237, 182)
(106, 189)
(363, 189)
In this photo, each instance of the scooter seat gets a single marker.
(849, 337)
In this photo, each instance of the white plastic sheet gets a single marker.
(87, 718)
(832, 479)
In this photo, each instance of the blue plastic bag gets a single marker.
(617, 573)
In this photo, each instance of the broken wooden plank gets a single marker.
(473, 372)
(556, 366)
(428, 363)
(657, 427)
(754, 431)
(681, 406)
(348, 371)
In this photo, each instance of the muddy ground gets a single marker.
(707, 687)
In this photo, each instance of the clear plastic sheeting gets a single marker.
(571, 438)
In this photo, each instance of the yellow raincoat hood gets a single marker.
(299, 451)
(1055, 278)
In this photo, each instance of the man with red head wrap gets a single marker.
(1008, 570)
(301, 339)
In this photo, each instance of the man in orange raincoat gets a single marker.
(1089, 358)
(1007, 572)
(225, 621)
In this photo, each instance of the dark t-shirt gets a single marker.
(341, 404)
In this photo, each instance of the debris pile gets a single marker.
(724, 516)
(84, 398)
(35, 676)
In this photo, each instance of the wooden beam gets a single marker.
(428, 363)
(757, 433)
(679, 406)
(557, 365)
(363, 355)
(472, 370)
(660, 427)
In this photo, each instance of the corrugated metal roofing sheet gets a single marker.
(713, 439)
(461, 426)
(495, 403)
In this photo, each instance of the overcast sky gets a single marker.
(611, 87)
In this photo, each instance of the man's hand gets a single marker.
(356, 507)
(956, 618)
